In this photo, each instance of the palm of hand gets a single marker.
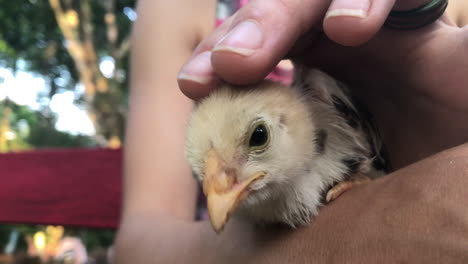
(412, 81)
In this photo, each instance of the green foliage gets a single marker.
(44, 135)
(24, 230)
(93, 238)
(29, 31)
(36, 129)
(5, 50)
(5, 231)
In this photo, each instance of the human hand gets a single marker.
(417, 215)
(270, 32)
(401, 76)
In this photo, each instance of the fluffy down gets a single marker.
(318, 137)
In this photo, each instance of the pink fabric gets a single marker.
(74, 187)
(243, 2)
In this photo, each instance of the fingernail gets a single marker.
(244, 39)
(349, 8)
(198, 69)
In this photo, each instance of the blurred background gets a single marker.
(63, 84)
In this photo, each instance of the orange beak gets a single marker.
(222, 191)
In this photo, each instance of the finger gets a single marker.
(247, 48)
(197, 78)
(257, 40)
(260, 36)
(353, 22)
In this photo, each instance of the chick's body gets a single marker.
(313, 134)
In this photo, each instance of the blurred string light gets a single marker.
(10, 135)
(12, 242)
(39, 241)
(46, 242)
(72, 18)
(107, 66)
(130, 13)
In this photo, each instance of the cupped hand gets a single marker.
(414, 81)
(416, 215)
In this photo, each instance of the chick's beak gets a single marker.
(222, 190)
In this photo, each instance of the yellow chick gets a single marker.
(269, 153)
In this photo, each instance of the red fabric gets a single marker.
(66, 187)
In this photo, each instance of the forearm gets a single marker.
(157, 176)
(156, 173)
(162, 239)
(158, 185)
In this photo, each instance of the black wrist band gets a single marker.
(417, 17)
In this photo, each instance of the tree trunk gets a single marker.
(5, 127)
(102, 95)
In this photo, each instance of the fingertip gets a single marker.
(194, 89)
(349, 31)
(239, 57)
(238, 69)
(262, 34)
(196, 77)
(353, 25)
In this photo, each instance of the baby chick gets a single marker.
(270, 152)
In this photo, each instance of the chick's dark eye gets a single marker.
(259, 137)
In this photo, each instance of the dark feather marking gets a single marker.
(320, 140)
(294, 83)
(340, 105)
(379, 153)
(306, 86)
(353, 164)
(352, 123)
(363, 119)
(351, 116)
(382, 161)
(356, 116)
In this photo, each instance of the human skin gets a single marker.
(165, 34)
(416, 214)
(401, 76)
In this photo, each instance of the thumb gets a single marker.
(263, 32)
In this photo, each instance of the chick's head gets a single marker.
(243, 144)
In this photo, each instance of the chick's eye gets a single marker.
(259, 137)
